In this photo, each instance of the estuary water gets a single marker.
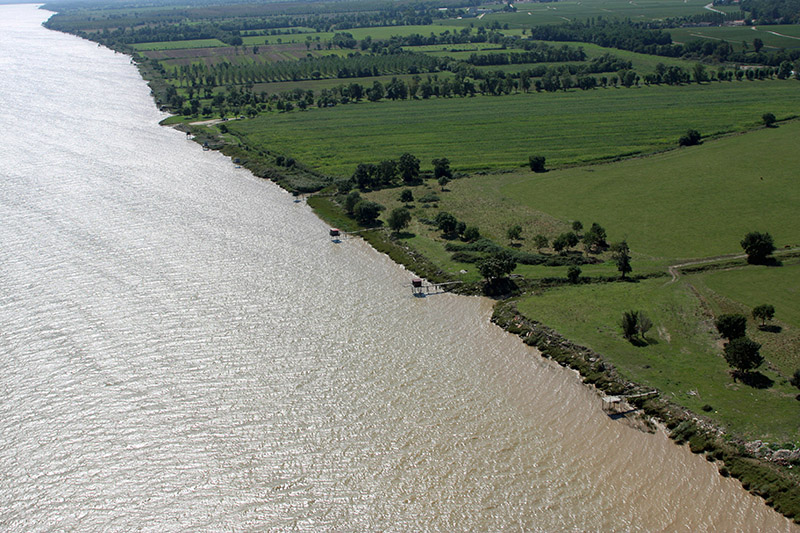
(182, 348)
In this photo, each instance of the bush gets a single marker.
(691, 138)
(573, 274)
(466, 257)
(536, 162)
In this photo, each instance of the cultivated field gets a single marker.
(501, 132)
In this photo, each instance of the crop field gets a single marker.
(179, 45)
(784, 36)
(501, 132)
(234, 54)
(687, 203)
(682, 357)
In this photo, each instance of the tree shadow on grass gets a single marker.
(643, 342)
(757, 380)
(770, 328)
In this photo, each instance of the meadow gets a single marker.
(530, 14)
(774, 36)
(682, 355)
(572, 127)
(687, 203)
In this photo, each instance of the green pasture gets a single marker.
(692, 202)
(501, 132)
(783, 36)
(740, 290)
(179, 45)
(534, 14)
(682, 357)
(756, 285)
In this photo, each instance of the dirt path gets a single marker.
(674, 270)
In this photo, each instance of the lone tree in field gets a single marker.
(731, 326)
(622, 257)
(540, 241)
(595, 239)
(743, 354)
(758, 246)
(407, 196)
(577, 227)
(769, 119)
(399, 218)
(536, 163)
(635, 323)
(763, 313)
(691, 138)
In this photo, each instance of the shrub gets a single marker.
(691, 138)
(536, 162)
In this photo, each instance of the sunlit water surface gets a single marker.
(183, 348)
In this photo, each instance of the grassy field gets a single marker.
(740, 290)
(487, 132)
(682, 358)
(692, 202)
(532, 14)
(783, 36)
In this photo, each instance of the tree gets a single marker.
(399, 219)
(441, 167)
(731, 326)
(622, 257)
(700, 74)
(386, 172)
(743, 354)
(577, 226)
(757, 246)
(376, 92)
(514, 233)
(758, 44)
(444, 180)
(446, 222)
(573, 274)
(536, 163)
(691, 138)
(628, 324)
(350, 202)
(367, 212)
(643, 323)
(407, 196)
(763, 312)
(540, 241)
(471, 234)
(635, 323)
(768, 119)
(595, 238)
(496, 266)
(408, 166)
